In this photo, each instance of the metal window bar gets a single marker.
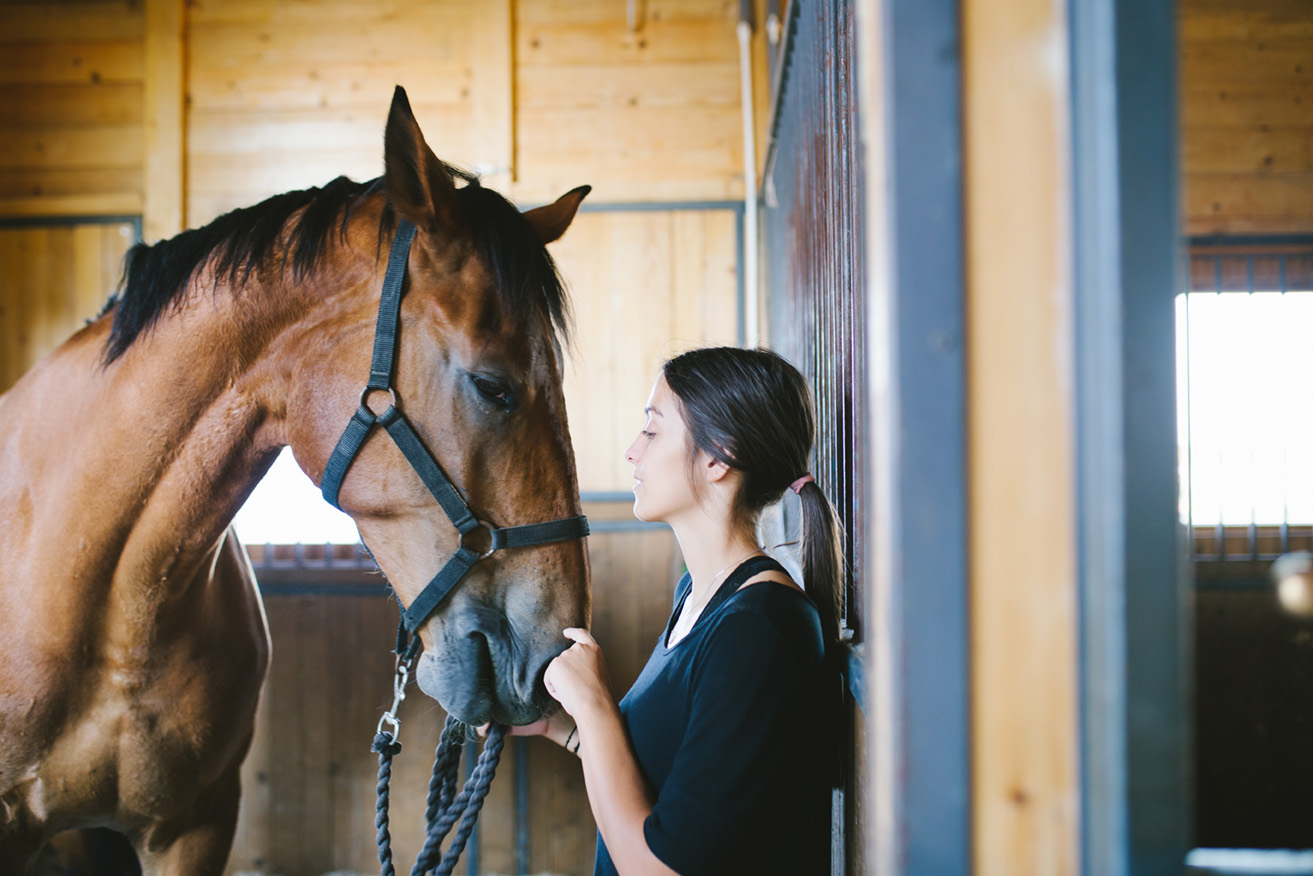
(1230, 554)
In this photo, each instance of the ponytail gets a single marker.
(821, 555)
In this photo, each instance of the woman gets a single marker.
(721, 757)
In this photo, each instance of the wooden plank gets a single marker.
(106, 145)
(164, 197)
(1225, 203)
(1247, 25)
(1254, 150)
(110, 61)
(118, 204)
(40, 105)
(317, 12)
(542, 43)
(492, 94)
(1206, 102)
(341, 86)
(659, 84)
(1023, 571)
(365, 40)
(71, 182)
(1250, 61)
(625, 186)
(81, 21)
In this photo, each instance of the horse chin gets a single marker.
(470, 697)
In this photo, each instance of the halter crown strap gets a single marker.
(394, 422)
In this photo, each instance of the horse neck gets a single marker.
(170, 439)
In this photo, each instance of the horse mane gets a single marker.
(157, 277)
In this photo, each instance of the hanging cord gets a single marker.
(445, 806)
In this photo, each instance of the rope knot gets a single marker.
(385, 743)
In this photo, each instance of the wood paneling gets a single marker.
(53, 279)
(1246, 84)
(593, 95)
(644, 285)
(165, 174)
(1021, 511)
(286, 95)
(71, 102)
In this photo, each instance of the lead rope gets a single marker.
(445, 806)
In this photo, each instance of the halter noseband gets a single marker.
(406, 439)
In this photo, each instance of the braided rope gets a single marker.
(387, 747)
(444, 806)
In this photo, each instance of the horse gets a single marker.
(133, 643)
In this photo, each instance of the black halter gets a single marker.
(396, 424)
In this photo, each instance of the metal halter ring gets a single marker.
(364, 393)
(492, 543)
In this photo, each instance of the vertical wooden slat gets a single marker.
(1020, 453)
(165, 180)
(492, 92)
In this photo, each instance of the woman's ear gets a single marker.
(713, 470)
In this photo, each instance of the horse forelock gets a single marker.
(157, 277)
(524, 274)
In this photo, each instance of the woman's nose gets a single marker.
(631, 455)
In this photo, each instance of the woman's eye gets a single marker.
(648, 435)
(493, 390)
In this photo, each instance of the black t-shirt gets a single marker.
(729, 730)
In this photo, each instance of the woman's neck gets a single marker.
(711, 549)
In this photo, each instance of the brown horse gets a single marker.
(132, 638)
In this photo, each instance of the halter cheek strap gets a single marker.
(394, 422)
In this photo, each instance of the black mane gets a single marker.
(156, 277)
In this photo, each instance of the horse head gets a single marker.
(477, 373)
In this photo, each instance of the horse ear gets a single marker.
(418, 184)
(551, 221)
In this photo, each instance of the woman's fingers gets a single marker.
(579, 635)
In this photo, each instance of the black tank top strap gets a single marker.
(745, 570)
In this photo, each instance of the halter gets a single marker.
(403, 434)
(445, 806)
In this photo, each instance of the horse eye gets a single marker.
(493, 390)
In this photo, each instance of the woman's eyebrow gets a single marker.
(651, 410)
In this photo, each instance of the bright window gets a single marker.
(286, 508)
(1245, 374)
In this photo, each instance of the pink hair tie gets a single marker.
(797, 485)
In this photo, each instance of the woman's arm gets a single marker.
(617, 793)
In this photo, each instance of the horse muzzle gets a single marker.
(480, 677)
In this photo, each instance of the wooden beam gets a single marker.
(40, 206)
(165, 183)
(1021, 450)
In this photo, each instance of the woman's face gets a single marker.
(659, 457)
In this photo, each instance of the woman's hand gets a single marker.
(578, 679)
(556, 727)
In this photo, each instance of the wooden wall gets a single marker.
(1246, 85)
(539, 96)
(52, 279)
(71, 108)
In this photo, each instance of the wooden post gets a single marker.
(1021, 449)
(163, 212)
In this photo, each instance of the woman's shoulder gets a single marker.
(774, 610)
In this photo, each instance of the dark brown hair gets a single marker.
(752, 411)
